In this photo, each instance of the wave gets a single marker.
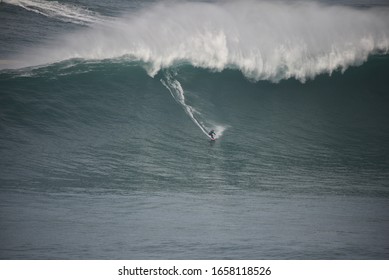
(76, 72)
(61, 11)
(84, 94)
(73, 68)
(265, 41)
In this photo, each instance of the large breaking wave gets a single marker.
(264, 40)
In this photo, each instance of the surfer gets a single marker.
(212, 134)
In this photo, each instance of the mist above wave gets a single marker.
(264, 40)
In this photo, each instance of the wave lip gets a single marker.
(264, 40)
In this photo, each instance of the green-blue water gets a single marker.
(103, 123)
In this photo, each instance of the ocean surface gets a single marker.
(105, 109)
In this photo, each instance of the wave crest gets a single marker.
(265, 41)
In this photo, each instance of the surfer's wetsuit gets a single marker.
(212, 134)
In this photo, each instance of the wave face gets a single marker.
(76, 115)
(264, 40)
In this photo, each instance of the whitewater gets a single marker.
(263, 40)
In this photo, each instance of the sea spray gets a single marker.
(264, 40)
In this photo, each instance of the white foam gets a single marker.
(264, 40)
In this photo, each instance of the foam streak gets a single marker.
(60, 11)
(177, 93)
